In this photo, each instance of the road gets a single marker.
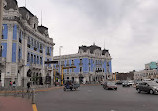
(95, 98)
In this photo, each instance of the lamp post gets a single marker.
(60, 60)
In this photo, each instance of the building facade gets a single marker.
(92, 64)
(150, 72)
(125, 76)
(25, 47)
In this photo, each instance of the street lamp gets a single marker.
(60, 58)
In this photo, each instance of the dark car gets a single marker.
(110, 85)
(147, 86)
(119, 82)
(125, 84)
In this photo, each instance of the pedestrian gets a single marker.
(28, 86)
(10, 83)
(14, 84)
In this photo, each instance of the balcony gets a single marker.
(2, 60)
(36, 66)
(48, 53)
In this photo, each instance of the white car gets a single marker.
(130, 82)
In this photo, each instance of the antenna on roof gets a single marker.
(93, 43)
(41, 17)
(25, 3)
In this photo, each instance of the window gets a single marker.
(89, 69)
(72, 62)
(37, 59)
(72, 69)
(40, 60)
(47, 51)
(2, 32)
(34, 59)
(68, 71)
(41, 48)
(20, 36)
(80, 61)
(19, 54)
(28, 42)
(80, 69)
(31, 58)
(28, 57)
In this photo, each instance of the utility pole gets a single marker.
(60, 61)
(1, 19)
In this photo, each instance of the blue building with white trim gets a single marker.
(91, 62)
(25, 47)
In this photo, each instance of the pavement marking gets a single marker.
(34, 107)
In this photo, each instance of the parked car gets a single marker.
(110, 85)
(125, 84)
(119, 82)
(147, 86)
(71, 85)
(102, 82)
(131, 82)
(156, 80)
(136, 83)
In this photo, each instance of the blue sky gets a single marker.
(128, 27)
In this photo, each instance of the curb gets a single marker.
(46, 89)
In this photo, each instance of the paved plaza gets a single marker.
(95, 98)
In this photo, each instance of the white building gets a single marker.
(150, 72)
(25, 47)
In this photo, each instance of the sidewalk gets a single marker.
(15, 104)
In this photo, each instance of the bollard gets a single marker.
(29, 93)
(33, 96)
(22, 92)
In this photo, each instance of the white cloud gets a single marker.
(129, 27)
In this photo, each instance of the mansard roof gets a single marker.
(23, 11)
(11, 4)
(91, 48)
(42, 29)
(104, 51)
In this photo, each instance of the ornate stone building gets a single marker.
(25, 47)
(92, 64)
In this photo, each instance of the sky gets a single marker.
(127, 28)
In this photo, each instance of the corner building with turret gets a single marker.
(25, 47)
(92, 65)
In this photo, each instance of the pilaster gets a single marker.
(9, 43)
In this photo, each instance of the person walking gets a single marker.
(14, 84)
(10, 83)
(28, 86)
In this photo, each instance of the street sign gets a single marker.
(51, 62)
